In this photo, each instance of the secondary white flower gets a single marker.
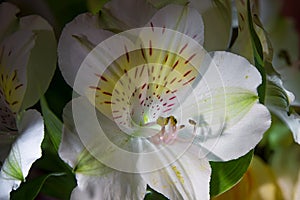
(284, 39)
(166, 107)
(279, 100)
(27, 63)
(283, 44)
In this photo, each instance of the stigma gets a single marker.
(169, 130)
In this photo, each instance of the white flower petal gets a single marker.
(73, 151)
(290, 78)
(292, 120)
(250, 120)
(78, 38)
(229, 120)
(15, 52)
(237, 140)
(112, 186)
(103, 67)
(24, 152)
(105, 141)
(95, 180)
(236, 71)
(34, 23)
(183, 19)
(8, 19)
(186, 178)
(227, 77)
(70, 147)
(42, 60)
(279, 100)
(128, 14)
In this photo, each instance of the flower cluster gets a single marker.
(165, 98)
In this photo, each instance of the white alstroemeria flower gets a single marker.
(284, 38)
(24, 49)
(277, 97)
(166, 107)
(279, 100)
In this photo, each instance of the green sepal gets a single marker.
(226, 174)
(52, 123)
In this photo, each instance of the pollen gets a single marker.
(11, 88)
(178, 174)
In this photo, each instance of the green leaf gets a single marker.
(52, 123)
(30, 189)
(248, 43)
(258, 55)
(226, 174)
(153, 195)
(59, 187)
(51, 162)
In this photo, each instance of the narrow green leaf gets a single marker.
(52, 123)
(258, 55)
(226, 174)
(30, 189)
(153, 195)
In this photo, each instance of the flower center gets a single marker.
(142, 87)
(139, 101)
(9, 102)
(169, 130)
